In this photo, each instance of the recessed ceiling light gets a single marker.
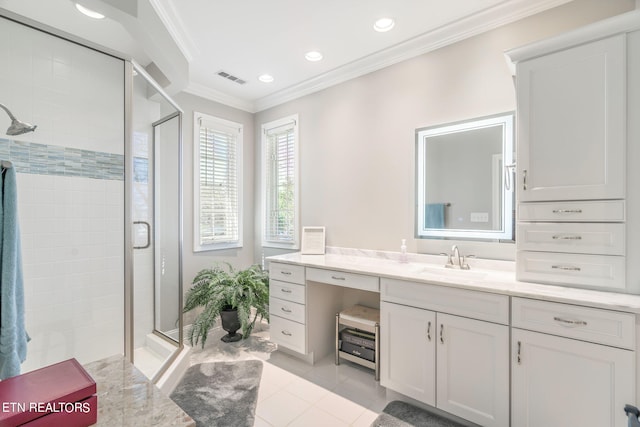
(88, 12)
(384, 24)
(313, 56)
(266, 78)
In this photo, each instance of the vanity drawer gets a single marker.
(347, 280)
(287, 291)
(582, 238)
(287, 309)
(583, 211)
(600, 271)
(286, 272)
(473, 304)
(288, 333)
(584, 323)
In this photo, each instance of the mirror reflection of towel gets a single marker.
(434, 215)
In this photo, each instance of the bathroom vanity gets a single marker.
(547, 340)
(474, 343)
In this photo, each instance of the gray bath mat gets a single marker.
(401, 414)
(220, 393)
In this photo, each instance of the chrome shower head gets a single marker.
(17, 127)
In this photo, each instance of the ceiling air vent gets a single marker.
(231, 77)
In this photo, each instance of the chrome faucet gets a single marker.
(455, 260)
(455, 255)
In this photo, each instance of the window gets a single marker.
(217, 183)
(280, 216)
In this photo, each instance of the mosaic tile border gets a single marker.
(41, 159)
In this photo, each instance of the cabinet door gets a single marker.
(564, 382)
(473, 370)
(571, 123)
(407, 346)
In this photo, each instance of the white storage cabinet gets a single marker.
(572, 99)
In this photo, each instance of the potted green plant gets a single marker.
(229, 294)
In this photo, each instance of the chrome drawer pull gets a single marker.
(561, 211)
(429, 331)
(286, 273)
(570, 322)
(337, 278)
(287, 333)
(559, 237)
(441, 333)
(286, 310)
(565, 268)
(285, 290)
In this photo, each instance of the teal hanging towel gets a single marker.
(13, 336)
(434, 215)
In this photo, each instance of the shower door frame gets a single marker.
(157, 332)
(131, 66)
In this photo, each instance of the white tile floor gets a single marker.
(294, 393)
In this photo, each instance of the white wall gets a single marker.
(357, 139)
(239, 258)
(70, 192)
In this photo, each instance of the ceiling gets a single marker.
(251, 37)
(190, 41)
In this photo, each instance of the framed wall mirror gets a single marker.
(464, 181)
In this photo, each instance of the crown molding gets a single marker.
(472, 25)
(220, 97)
(612, 26)
(478, 23)
(173, 24)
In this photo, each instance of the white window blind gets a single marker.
(217, 184)
(281, 228)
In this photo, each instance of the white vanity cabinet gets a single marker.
(570, 365)
(287, 306)
(433, 354)
(408, 351)
(303, 303)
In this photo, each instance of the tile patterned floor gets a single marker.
(294, 393)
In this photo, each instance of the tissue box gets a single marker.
(63, 394)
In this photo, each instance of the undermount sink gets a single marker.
(452, 273)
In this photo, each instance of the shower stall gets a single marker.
(99, 202)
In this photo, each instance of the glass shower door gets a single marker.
(156, 218)
(166, 195)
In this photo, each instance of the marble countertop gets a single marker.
(127, 398)
(484, 275)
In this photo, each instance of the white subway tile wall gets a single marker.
(73, 94)
(73, 267)
(70, 192)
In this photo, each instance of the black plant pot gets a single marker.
(231, 324)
